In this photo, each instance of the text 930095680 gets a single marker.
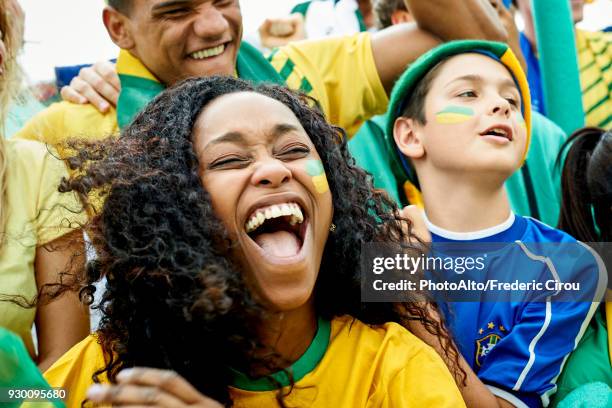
(31, 394)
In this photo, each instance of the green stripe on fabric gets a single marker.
(607, 67)
(606, 122)
(597, 105)
(599, 80)
(301, 8)
(272, 54)
(287, 69)
(361, 21)
(589, 65)
(305, 86)
(304, 365)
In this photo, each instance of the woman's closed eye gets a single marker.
(293, 152)
(229, 162)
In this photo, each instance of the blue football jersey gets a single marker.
(517, 347)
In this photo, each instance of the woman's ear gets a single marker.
(407, 138)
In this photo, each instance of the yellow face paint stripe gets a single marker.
(451, 118)
(315, 169)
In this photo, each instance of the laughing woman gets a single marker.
(222, 274)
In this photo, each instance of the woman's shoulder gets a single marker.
(390, 337)
(75, 369)
(396, 365)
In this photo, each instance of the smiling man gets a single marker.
(164, 41)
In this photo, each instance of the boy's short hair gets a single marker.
(409, 93)
(415, 104)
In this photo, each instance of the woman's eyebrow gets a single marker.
(229, 137)
(236, 137)
(282, 128)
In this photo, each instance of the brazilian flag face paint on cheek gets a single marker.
(315, 169)
(454, 114)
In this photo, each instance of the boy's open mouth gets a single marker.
(501, 131)
(278, 229)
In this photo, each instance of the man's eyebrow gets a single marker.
(169, 3)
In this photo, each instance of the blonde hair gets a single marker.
(9, 84)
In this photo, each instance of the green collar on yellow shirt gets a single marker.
(304, 365)
(139, 86)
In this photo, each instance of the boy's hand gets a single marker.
(150, 387)
(98, 84)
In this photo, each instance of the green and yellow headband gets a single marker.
(418, 69)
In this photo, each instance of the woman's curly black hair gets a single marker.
(173, 297)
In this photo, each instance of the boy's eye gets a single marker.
(513, 102)
(467, 94)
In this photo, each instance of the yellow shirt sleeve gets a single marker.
(65, 120)
(55, 213)
(340, 73)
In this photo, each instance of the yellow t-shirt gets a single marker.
(594, 60)
(36, 215)
(339, 72)
(348, 364)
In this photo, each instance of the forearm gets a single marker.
(452, 19)
(61, 321)
(474, 392)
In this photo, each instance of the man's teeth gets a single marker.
(209, 52)
(275, 211)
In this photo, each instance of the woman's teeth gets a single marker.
(275, 211)
(207, 53)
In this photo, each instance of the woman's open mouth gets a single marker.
(278, 230)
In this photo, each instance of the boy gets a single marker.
(459, 123)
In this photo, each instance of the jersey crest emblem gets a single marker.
(484, 346)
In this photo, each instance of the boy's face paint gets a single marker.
(255, 168)
(453, 114)
(315, 169)
(473, 121)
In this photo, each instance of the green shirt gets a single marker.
(534, 190)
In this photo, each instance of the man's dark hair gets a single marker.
(383, 10)
(122, 6)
